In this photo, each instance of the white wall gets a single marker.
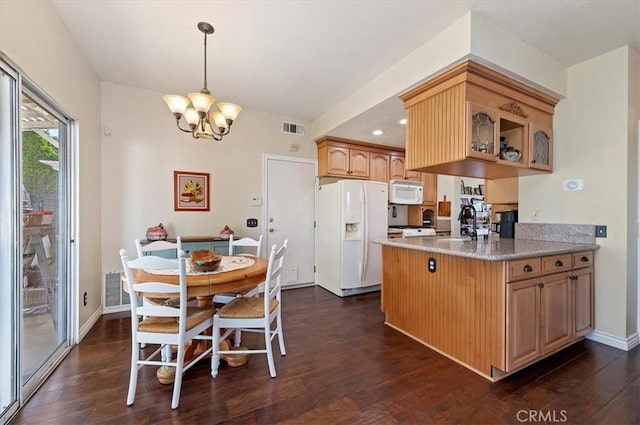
(469, 36)
(35, 38)
(145, 148)
(445, 48)
(591, 142)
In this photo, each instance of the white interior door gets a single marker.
(289, 213)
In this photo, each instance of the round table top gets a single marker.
(214, 283)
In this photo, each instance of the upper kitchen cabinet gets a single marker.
(474, 121)
(338, 159)
(379, 167)
(398, 171)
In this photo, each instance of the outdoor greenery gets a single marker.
(39, 179)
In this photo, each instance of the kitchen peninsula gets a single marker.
(494, 306)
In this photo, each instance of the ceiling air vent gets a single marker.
(292, 128)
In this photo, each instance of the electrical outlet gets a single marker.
(84, 298)
(601, 231)
(252, 222)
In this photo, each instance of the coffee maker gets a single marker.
(508, 222)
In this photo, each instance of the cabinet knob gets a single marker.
(533, 161)
(559, 263)
(584, 259)
(541, 285)
(271, 230)
(527, 269)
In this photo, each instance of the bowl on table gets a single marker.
(205, 261)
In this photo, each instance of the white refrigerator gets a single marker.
(351, 214)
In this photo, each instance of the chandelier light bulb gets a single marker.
(219, 119)
(192, 117)
(201, 102)
(177, 104)
(229, 110)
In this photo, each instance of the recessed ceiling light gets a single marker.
(377, 132)
(403, 121)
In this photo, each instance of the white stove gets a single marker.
(417, 232)
(412, 231)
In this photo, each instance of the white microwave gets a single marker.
(405, 192)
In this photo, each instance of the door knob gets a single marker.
(271, 229)
(271, 220)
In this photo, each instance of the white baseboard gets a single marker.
(84, 330)
(625, 344)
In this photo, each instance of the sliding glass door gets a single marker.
(35, 279)
(9, 253)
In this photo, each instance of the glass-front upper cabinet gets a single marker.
(482, 132)
(513, 140)
(541, 147)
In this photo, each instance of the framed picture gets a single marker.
(190, 191)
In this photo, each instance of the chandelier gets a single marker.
(203, 123)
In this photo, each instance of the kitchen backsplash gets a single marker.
(574, 233)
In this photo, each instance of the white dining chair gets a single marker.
(164, 324)
(254, 314)
(154, 247)
(245, 243)
(158, 246)
(242, 243)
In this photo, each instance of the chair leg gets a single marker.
(283, 350)
(215, 352)
(269, 346)
(133, 377)
(177, 385)
(165, 353)
(237, 337)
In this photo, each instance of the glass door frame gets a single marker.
(68, 226)
(10, 243)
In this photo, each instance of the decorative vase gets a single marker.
(156, 233)
(226, 232)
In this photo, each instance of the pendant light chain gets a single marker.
(205, 90)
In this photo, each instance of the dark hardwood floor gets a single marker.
(343, 366)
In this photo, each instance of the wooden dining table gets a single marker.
(204, 286)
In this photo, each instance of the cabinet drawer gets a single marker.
(556, 263)
(523, 269)
(582, 259)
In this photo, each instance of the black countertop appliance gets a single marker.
(508, 221)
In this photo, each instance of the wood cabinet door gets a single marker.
(416, 176)
(555, 308)
(540, 147)
(379, 167)
(483, 140)
(430, 188)
(582, 295)
(338, 161)
(396, 167)
(523, 322)
(358, 163)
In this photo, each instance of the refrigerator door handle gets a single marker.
(364, 244)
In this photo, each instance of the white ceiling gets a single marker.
(298, 58)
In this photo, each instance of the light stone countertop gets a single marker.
(489, 250)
